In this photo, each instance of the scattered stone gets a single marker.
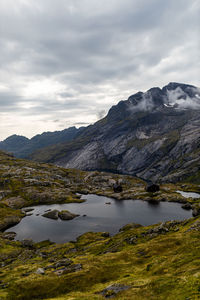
(112, 290)
(66, 215)
(111, 182)
(27, 209)
(28, 243)
(108, 203)
(132, 240)
(84, 215)
(28, 215)
(9, 235)
(70, 269)
(53, 214)
(195, 226)
(63, 263)
(40, 271)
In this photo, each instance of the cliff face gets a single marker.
(153, 135)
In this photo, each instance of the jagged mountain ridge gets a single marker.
(153, 135)
(22, 147)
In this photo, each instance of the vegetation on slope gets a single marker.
(155, 262)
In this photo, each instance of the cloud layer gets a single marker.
(65, 63)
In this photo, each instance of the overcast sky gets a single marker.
(66, 62)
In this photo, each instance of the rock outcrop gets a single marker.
(153, 135)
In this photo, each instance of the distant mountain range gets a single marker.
(23, 147)
(153, 135)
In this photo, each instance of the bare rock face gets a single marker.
(9, 222)
(66, 215)
(152, 135)
(14, 202)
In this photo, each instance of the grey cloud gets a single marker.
(94, 47)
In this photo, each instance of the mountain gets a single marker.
(22, 147)
(154, 135)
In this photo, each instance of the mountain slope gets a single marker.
(150, 135)
(22, 147)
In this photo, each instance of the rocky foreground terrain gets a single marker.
(153, 135)
(154, 262)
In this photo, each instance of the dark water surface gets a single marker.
(99, 217)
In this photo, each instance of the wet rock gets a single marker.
(66, 215)
(186, 206)
(53, 214)
(108, 203)
(112, 290)
(27, 209)
(9, 222)
(196, 211)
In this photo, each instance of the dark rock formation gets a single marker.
(186, 206)
(152, 188)
(117, 188)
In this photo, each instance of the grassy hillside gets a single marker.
(155, 262)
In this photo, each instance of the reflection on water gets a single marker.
(99, 217)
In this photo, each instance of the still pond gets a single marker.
(98, 213)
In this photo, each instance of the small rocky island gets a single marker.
(139, 260)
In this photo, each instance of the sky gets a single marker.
(66, 62)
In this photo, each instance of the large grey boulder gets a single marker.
(53, 214)
(66, 215)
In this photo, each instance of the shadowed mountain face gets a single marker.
(154, 135)
(22, 147)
